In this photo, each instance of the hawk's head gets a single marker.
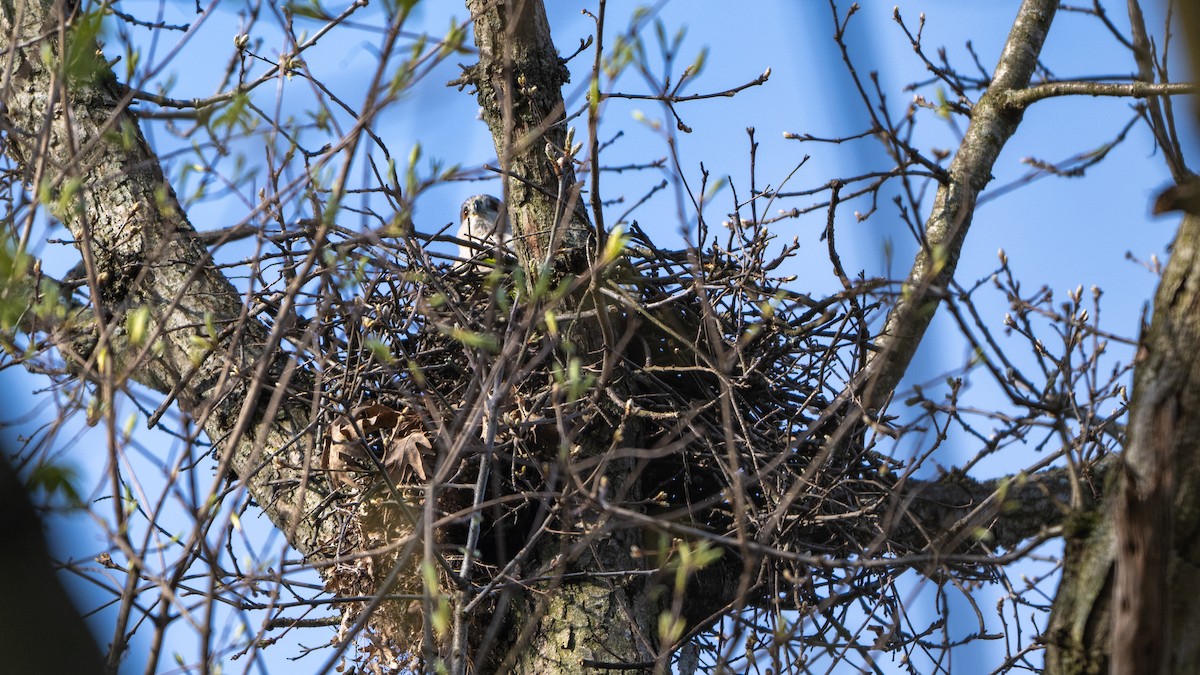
(485, 225)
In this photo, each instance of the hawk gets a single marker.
(485, 226)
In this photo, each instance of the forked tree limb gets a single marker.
(994, 119)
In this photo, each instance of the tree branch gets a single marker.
(519, 81)
(140, 251)
(1023, 98)
(993, 121)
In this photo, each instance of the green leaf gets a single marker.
(698, 64)
(236, 113)
(615, 244)
(670, 628)
(54, 480)
(84, 60)
(15, 284)
(453, 42)
(411, 180)
(311, 9)
(476, 340)
(380, 350)
(136, 324)
(594, 95)
(50, 304)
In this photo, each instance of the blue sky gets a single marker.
(1056, 231)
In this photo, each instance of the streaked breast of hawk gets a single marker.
(485, 226)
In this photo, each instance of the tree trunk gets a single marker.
(519, 79)
(1127, 599)
(603, 615)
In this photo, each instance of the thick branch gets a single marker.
(1129, 586)
(993, 122)
(140, 251)
(953, 512)
(519, 79)
(1026, 97)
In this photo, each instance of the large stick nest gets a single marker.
(699, 367)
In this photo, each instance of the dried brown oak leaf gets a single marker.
(408, 452)
(405, 445)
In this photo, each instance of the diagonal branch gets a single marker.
(994, 119)
(70, 132)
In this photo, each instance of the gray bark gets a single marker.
(994, 119)
(1126, 604)
(519, 80)
(140, 251)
